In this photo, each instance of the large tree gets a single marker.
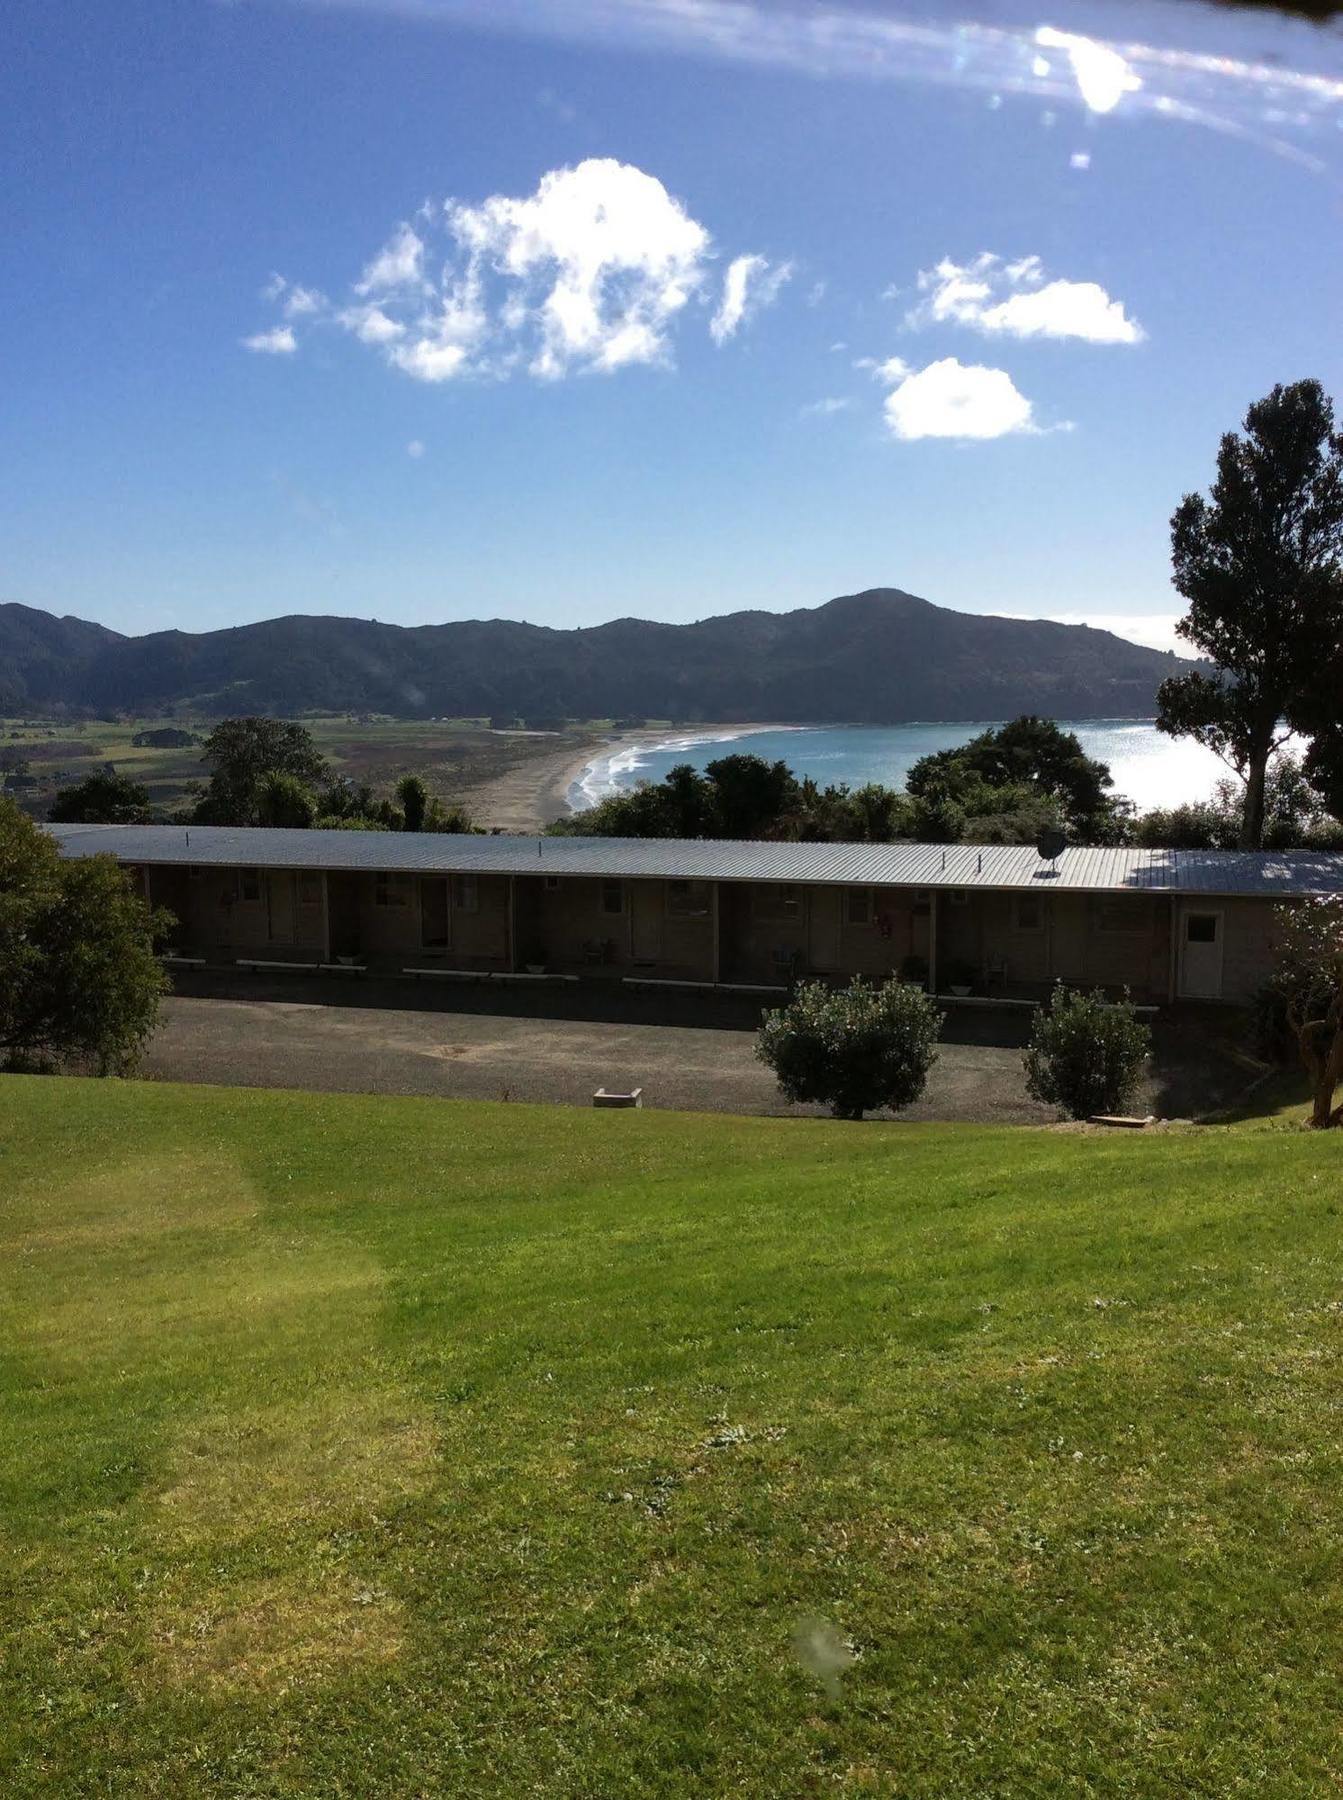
(241, 755)
(1309, 976)
(1258, 561)
(1008, 771)
(102, 799)
(79, 981)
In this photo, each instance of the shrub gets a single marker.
(852, 1049)
(1086, 1053)
(79, 982)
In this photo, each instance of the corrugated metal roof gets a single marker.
(1276, 874)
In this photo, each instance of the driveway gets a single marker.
(691, 1053)
(688, 1052)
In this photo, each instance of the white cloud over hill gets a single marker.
(588, 273)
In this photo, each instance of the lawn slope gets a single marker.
(387, 1447)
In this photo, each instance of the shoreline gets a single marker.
(533, 795)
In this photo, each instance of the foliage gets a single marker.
(853, 1049)
(282, 800)
(1086, 1053)
(102, 799)
(1027, 760)
(1308, 974)
(1295, 817)
(1259, 564)
(413, 798)
(241, 754)
(79, 981)
(1006, 787)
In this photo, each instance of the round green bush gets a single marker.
(1087, 1053)
(852, 1049)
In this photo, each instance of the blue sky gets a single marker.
(616, 309)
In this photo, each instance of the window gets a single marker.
(552, 884)
(1120, 915)
(388, 890)
(1029, 913)
(310, 890)
(1200, 928)
(688, 899)
(466, 893)
(249, 885)
(776, 900)
(858, 906)
(613, 896)
(958, 897)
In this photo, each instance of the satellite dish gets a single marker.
(1051, 844)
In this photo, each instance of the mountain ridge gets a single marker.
(879, 657)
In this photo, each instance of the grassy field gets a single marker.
(453, 755)
(373, 1447)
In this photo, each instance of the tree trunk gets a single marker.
(1324, 1063)
(1252, 819)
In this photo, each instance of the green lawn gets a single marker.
(390, 1447)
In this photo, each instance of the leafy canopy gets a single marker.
(1308, 974)
(852, 1049)
(1086, 1053)
(1258, 561)
(103, 798)
(79, 981)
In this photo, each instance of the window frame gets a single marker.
(864, 896)
(776, 903)
(1038, 902)
(464, 893)
(389, 890)
(1107, 907)
(682, 890)
(611, 887)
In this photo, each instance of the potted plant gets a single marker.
(914, 970)
(959, 976)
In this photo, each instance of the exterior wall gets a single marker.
(769, 930)
(1013, 942)
(225, 913)
(392, 914)
(1249, 935)
(662, 928)
(1023, 942)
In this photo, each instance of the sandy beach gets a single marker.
(536, 792)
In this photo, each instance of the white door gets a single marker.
(1201, 954)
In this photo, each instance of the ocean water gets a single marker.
(1151, 769)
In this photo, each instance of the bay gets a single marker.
(1151, 769)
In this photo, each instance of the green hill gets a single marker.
(367, 1447)
(880, 657)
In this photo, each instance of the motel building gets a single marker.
(996, 922)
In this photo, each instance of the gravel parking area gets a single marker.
(691, 1053)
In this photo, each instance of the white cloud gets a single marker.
(399, 264)
(749, 285)
(415, 449)
(371, 325)
(950, 399)
(588, 273)
(300, 301)
(279, 342)
(822, 409)
(1013, 299)
(1155, 630)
